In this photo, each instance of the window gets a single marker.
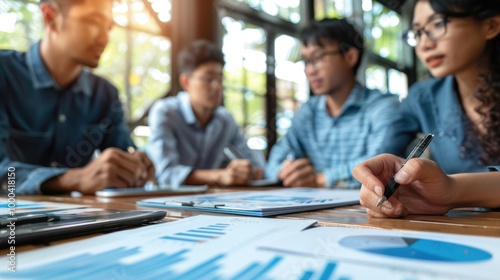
(291, 83)
(285, 9)
(137, 61)
(382, 30)
(21, 25)
(332, 8)
(245, 78)
(387, 80)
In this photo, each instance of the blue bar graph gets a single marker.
(257, 270)
(328, 271)
(307, 275)
(199, 235)
(110, 265)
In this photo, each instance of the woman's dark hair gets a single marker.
(200, 52)
(336, 30)
(488, 92)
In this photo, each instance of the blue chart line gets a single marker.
(325, 274)
(109, 265)
(257, 270)
(199, 235)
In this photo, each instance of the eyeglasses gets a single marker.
(434, 28)
(317, 61)
(209, 80)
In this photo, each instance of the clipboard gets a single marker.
(258, 203)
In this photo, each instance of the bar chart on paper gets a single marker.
(192, 248)
(208, 247)
(199, 235)
(113, 265)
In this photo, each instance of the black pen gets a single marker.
(232, 153)
(392, 186)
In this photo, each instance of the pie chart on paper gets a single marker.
(415, 248)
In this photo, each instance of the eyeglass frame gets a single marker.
(207, 80)
(446, 20)
(317, 59)
(417, 35)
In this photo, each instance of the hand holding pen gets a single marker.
(425, 188)
(240, 169)
(392, 185)
(149, 167)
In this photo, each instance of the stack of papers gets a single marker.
(259, 203)
(208, 247)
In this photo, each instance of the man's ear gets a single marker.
(492, 27)
(352, 57)
(49, 13)
(184, 81)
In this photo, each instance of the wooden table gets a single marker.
(461, 221)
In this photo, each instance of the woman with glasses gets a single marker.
(459, 43)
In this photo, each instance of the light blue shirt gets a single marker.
(335, 145)
(433, 106)
(178, 144)
(44, 129)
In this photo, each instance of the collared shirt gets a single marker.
(335, 145)
(44, 129)
(433, 106)
(179, 144)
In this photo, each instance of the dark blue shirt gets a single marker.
(45, 129)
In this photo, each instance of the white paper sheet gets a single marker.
(208, 247)
(164, 251)
(443, 255)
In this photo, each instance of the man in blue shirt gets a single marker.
(343, 124)
(190, 131)
(54, 114)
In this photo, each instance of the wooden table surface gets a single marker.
(460, 221)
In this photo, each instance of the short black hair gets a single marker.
(65, 4)
(336, 30)
(200, 52)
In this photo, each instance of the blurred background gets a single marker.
(264, 78)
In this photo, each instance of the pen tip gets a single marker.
(380, 201)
